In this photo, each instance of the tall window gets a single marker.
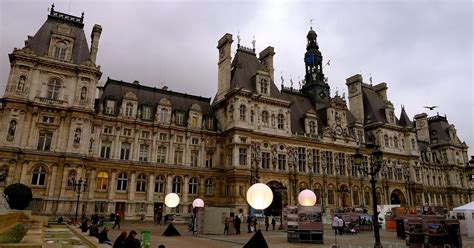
(54, 86)
(161, 154)
(281, 162)
(263, 86)
(164, 115)
(316, 162)
(386, 140)
(39, 176)
(122, 182)
(355, 197)
(367, 197)
(281, 121)
(329, 163)
(105, 149)
(44, 141)
(160, 184)
(209, 156)
(144, 150)
(265, 118)
(125, 151)
(146, 112)
(243, 112)
(60, 50)
(395, 142)
(208, 187)
(194, 121)
(301, 159)
(312, 127)
(342, 163)
(177, 184)
(180, 118)
(141, 183)
(331, 196)
(129, 109)
(194, 158)
(102, 180)
(110, 107)
(178, 156)
(193, 186)
(265, 160)
(242, 156)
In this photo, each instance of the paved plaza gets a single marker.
(275, 239)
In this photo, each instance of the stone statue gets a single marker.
(77, 136)
(11, 130)
(21, 84)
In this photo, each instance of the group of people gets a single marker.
(130, 241)
(235, 221)
(340, 227)
(93, 229)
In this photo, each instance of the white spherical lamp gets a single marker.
(198, 203)
(259, 196)
(171, 200)
(307, 198)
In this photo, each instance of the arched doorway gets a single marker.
(280, 199)
(397, 197)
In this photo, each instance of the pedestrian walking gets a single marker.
(267, 223)
(237, 224)
(255, 223)
(117, 221)
(226, 226)
(273, 222)
(249, 222)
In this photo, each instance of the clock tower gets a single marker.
(315, 85)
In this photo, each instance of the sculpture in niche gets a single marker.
(83, 93)
(21, 83)
(11, 130)
(3, 175)
(77, 137)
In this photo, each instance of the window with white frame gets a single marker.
(44, 140)
(38, 177)
(60, 50)
(194, 158)
(208, 187)
(265, 160)
(301, 159)
(129, 109)
(141, 183)
(281, 162)
(127, 132)
(144, 152)
(54, 85)
(242, 156)
(193, 186)
(122, 182)
(110, 107)
(178, 156)
(177, 185)
(180, 118)
(146, 112)
(264, 86)
(105, 149)
(163, 115)
(312, 127)
(160, 184)
(243, 112)
(145, 134)
(161, 154)
(125, 151)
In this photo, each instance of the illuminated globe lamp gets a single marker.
(307, 198)
(197, 203)
(259, 196)
(171, 201)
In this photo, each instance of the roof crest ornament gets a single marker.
(253, 43)
(282, 80)
(311, 24)
(238, 38)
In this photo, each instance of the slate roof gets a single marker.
(40, 42)
(373, 106)
(244, 67)
(439, 129)
(114, 89)
(300, 104)
(404, 120)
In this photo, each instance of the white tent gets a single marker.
(467, 207)
(467, 225)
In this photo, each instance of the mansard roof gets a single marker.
(244, 67)
(40, 42)
(114, 89)
(373, 106)
(439, 129)
(300, 105)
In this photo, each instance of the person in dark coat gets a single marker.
(103, 239)
(267, 223)
(273, 223)
(131, 241)
(93, 230)
(249, 223)
(120, 241)
(117, 221)
(237, 224)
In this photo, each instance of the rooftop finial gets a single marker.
(311, 24)
(52, 8)
(370, 79)
(253, 43)
(282, 80)
(238, 38)
(82, 16)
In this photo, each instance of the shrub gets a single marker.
(13, 235)
(19, 196)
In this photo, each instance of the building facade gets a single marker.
(133, 143)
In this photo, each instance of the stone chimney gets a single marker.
(224, 65)
(356, 103)
(266, 57)
(422, 129)
(381, 90)
(95, 36)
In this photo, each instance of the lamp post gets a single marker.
(197, 203)
(259, 196)
(376, 164)
(171, 201)
(78, 186)
(307, 198)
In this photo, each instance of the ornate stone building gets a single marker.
(134, 143)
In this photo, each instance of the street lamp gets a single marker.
(376, 164)
(259, 196)
(78, 187)
(307, 198)
(197, 203)
(171, 201)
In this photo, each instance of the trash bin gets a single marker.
(146, 238)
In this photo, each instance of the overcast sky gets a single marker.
(423, 50)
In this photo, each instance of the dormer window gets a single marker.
(179, 118)
(146, 112)
(110, 107)
(312, 127)
(263, 86)
(194, 121)
(129, 109)
(53, 89)
(60, 50)
(265, 118)
(163, 115)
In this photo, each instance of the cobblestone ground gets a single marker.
(275, 239)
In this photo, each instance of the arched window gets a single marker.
(312, 127)
(243, 112)
(193, 186)
(208, 187)
(386, 140)
(129, 109)
(54, 86)
(281, 121)
(60, 50)
(177, 184)
(265, 118)
(84, 93)
(141, 183)
(77, 137)
(160, 184)
(11, 130)
(122, 182)
(70, 179)
(39, 176)
(102, 180)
